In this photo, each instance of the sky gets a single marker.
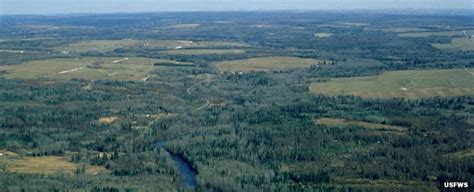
(8, 7)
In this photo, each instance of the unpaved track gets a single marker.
(120, 60)
(204, 106)
(208, 79)
(71, 70)
(472, 73)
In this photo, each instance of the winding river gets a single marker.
(187, 175)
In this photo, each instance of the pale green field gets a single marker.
(322, 35)
(463, 44)
(462, 154)
(470, 121)
(110, 45)
(48, 165)
(354, 24)
(11, 51)
(185, 26)
(90, 68)
(411, 84)
(25, 39)
(367, 125)
(99, 45)
(203, 51)
(265, 64)
(404, 29)
(439, 33)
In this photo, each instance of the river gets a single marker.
(187, 175)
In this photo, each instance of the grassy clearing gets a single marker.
(463, 44)
(47, 27)
(437, 33)
(98, 45)
(203, 51)
(48, 165)
(186, 26)
(6, 153)
(159, 116)
(261, 26)
(367, 125)
(404, 29)
(265, 64)
(411, 84)
(462, 154)
(23, 39)
(108, 120)
(110, 45)
(470, 121)
(90, 68)
(354, 24)
(322, 35)
(11, 51)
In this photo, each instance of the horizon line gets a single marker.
(388, 10)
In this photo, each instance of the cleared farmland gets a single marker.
(11, 51)
(110, 45)
(463, 44)
(98, 45)
(90, 68)
(185, 26)
(265, 64)
(404, 29)
(411, 84)
(437, 33)
(367, 125)
(48, 165)
(203, 51)
(462, 154)
(470, 121)
(322, 35)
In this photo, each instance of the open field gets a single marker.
(354, 24)
(322, 35)
(470, 121)
(265, 64)
(404, 29)
(48, 28)
(110, 45)
(98, 45)
(90, 68)
(438, 33)
(108, 120)
(261, 26)
(186, 26)
(462, 154)
(463, 44)
(46, 165)
(203, 51)
(411, 84)
(23, 39)
(11, 51)
(367, 125)
(6, 153)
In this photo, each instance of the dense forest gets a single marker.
(257, 130)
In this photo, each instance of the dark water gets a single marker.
(187, 176)
(161, 143)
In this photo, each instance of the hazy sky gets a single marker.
(107, 6)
